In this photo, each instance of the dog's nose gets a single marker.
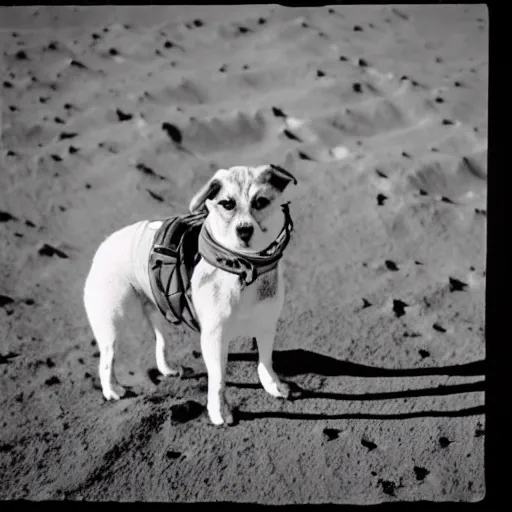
(245, 232)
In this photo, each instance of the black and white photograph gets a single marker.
(243, 253)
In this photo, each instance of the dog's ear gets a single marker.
(208, 191)
(278, 177)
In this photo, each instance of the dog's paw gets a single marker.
(167, 371)
(283, 390)
(277, 389)
(219, 416)
(115, 392)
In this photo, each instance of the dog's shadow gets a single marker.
(290, 363)
(293, 363)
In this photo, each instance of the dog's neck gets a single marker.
(248, 265)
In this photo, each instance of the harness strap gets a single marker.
(178, 246)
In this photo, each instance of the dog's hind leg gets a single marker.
(156, 320)
(109, 300)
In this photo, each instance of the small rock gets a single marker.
(52, 381)
(368, 444)
(6, 216)
(48, 250)
(173, 132)
(77, 64)
(399, 307)
(331, 433)
(438, 328)
(5, 300)
(122, 116)
(67, 135)
(388, 487)
(380, 199)
(278, 112)
(189, 410)
(444, 442)
(420, 473)
(456, 285)
(391, 265)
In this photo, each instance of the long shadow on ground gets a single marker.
(290, 363)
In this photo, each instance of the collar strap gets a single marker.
(248, 266)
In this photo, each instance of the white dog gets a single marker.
(242, 216)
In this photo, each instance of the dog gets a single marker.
(242, 211)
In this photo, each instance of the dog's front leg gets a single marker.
(268, 378)
(215, 346)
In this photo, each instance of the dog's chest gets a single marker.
(222, 291)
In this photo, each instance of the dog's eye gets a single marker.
(227, 204)
(260, 203)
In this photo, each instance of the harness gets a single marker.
(179, 245)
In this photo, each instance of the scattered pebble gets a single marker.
(173, 132)
(388, 487)
(187, 411)
(380, 199)
(67, 135)
(278, 112)
(5, 300)
(456, 285)
(444, 442)
(331, 433)
(6, 216)
(399, 307)
(77, 64)
(439, 328)
(420, 473)
(391, 265)
(21, 55)
(368, 444)
(122, 116)
(48, 250)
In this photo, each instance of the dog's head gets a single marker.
(243, 205)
